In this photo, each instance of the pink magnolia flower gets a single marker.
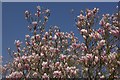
(57, 74)
(84, 31)
(47, 11)
(27, 36)
(104, 58)
(37, 37)
(115, 32)
(73, 72)
(57, 64)
(81, 17)
(35, 74)
(19, 65)
(101, 43)
(27, 43)
(51, 49)
(62, 57)
(67, 69)
(95, 10)
(42, 54)
(38, 7)
(102, 22)
(75, 45)
(55, 37)
(20, 74)
(102, 31)
(17, 59)
(38, 13)
(18, 43)
(84, 59)
(112, 56)
(89, 13)
(89, 56)
(79, 24)
(33, 54)
(91, 35)
(26, 66)
(34, 23)
(96, 59)
(45, 64)
(56, 50)
(15, 63)
(107, 26)
(97, 35)
(83, 47)
(27, 14)
(58, 34)
(45, 76)
(24, 58)
(37, 57)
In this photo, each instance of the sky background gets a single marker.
(14, 25)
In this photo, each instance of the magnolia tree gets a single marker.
(56, 54)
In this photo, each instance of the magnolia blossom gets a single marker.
(102, 31)
(37, 57)
(96, 59)
(19, 66)
(27, 36)
(112, 56)
(26, 66)
(75, 45)
(57, 64)
(101, 43)
(57, 74)
(38, 37)
(83, 47)
(47, 11)
(45, 64)
(17, 59)
(27, 14)
(95, 10)
(35, 74)
(38, 7)
(55, 37)
(96, 35)
(45, 76)
(34, 23)
(115, 32)
(18, 43)
(89, 56)
(81, 17)
(104, 58)
(84, 31)
(62, 57)
(108, 26)
(89, 13)
(24, 58)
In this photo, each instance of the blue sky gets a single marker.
(14, 25)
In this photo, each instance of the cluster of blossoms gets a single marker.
(101, 59)
(56, 54)
(43, 57)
